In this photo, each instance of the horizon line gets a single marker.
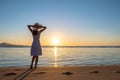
(62, 45)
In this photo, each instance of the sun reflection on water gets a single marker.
(55, 57)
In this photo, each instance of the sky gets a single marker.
(71, 22)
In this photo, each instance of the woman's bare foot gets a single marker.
(31, 67)
(35, 67)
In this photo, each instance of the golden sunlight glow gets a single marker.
(55, 57)
(55, 42)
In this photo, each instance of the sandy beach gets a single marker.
(61, 73)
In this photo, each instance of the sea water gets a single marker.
(60, 56)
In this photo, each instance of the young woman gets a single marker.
(36, 50)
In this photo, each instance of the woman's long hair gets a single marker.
(35, 32)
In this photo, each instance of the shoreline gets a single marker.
(25, 66)
(102, 72)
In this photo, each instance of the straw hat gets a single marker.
(37, 25)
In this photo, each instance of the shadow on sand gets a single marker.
(23, 75)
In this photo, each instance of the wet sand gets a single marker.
(61, 73)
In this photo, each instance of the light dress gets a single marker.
(36, 47)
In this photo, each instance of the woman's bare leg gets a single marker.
(33, 58)
(36, 61)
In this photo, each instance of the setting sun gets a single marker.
(55, 42)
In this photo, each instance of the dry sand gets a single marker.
(61, 73)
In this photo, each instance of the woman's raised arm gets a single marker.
(29, 27)
(43, 28)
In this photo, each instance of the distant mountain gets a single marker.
(4, 44)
